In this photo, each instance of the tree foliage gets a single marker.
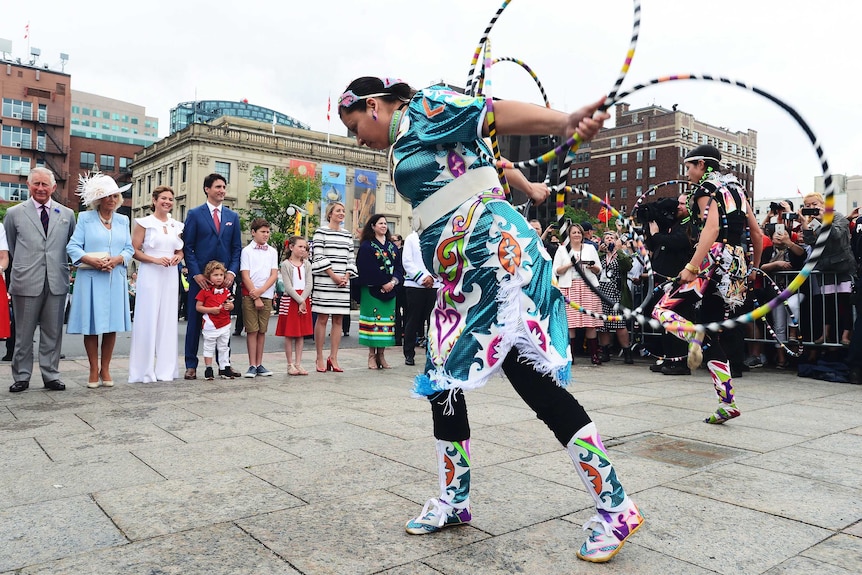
(271, 198)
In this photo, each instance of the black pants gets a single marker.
(560, 411)
(419, 305)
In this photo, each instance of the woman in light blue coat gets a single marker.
(101, 247)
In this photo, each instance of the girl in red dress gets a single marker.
(294, 310)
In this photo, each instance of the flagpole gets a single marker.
(328, 121)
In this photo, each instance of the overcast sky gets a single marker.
(290, 56)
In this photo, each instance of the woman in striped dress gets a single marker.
(574, 266)
(332, 266)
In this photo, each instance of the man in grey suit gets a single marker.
(38, 230)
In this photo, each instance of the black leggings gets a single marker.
(560, 411)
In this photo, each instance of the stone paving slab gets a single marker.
(46, 530)
(52, 481)
(122, 438)
(369, 472)
(176, 462)
(816, 502)
(550, 547)
(220, 548)
(723, 537)
(352, 536)
(842, 469)
(841, 551)
(146, 511)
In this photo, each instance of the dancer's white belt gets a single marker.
(453, 194)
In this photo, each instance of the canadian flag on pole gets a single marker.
(27, 31)
(328, 106)
(605, 213)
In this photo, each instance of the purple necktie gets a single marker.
(45, 218)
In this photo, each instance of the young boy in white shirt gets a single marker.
(258, 265)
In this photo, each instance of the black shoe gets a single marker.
(605, 353)
(229, 373)
(409, 361)
(208, 374)
(345, 335)
(55, 385)
(19, 386)
(422, 342)
(735, 373)
(855, 376)
(6, 358)
(656, 367)
(675, 368)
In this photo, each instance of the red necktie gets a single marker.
(216, 220)
(44, 217)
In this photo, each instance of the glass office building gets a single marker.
(203, 111)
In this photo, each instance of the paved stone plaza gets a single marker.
(317, 475)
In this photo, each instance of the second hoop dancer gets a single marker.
(717, 272)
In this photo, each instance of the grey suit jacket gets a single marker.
(36, 256)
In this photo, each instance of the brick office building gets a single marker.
(646, 147)
(35, 107)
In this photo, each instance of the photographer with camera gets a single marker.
(831, 295)
(781, 253)
(666, 236)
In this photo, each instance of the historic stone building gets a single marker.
(233, 147)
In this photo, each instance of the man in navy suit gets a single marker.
(211, 233)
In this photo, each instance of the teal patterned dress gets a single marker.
(497, 277)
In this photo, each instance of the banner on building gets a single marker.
(364, 198)
(333, 180)
(303, 168)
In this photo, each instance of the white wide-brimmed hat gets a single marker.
(96, 185)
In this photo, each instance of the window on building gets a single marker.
(171, 176)
(638, 190)
(652, 154)
(613, 160)
(624, 158)
(694, 137)
(85, 111)
(580, 173)
(183, 172)
(158, 178)
(16, 137)
(124, 164)
(613, 177)
(260, 177)
(613, 143)
(88, 159)
(17, 165)
(14, 191)
(639, 173)
(612, 193)
(652, 135)
(135, 122)
(639, 156)
(652, 171)
(76, 109)
(223, 169)
(724, 146)
(106, 163)
(586, 172)
(149, 185)
(624, 175)
(640, 137)
(625, 141)
(390, 194)
(140, 187)
(624, 192)
(704, 139)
